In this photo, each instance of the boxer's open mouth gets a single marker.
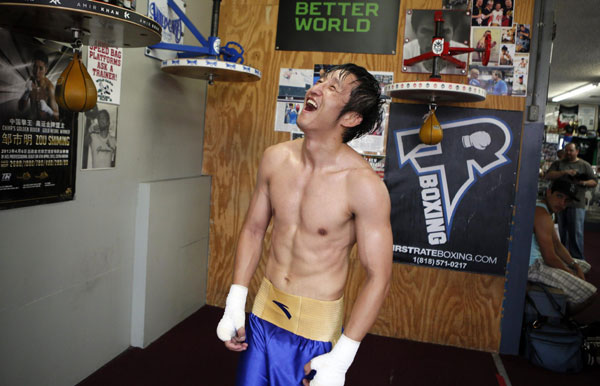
(310, 105)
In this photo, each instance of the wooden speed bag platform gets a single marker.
(75, 90)
(433, 91)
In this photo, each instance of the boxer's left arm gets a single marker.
(371, 207)
(370, 204)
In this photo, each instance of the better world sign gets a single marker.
(338, 26)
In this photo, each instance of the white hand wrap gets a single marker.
(234, 317)
(45, 108)
(331, 367)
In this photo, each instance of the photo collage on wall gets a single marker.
(507, 70)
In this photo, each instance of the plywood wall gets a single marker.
(424, 304)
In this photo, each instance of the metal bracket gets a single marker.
(211, 48)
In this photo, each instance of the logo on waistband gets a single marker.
(283, 308)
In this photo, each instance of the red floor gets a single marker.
(191, 354)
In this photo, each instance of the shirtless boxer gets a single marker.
(38, 97)
(322, 197)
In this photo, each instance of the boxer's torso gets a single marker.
(313, 222)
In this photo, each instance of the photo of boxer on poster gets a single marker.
(419, 31)
(99, 150)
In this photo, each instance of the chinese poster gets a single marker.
(38, 139)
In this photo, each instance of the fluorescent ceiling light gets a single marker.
(575, 92)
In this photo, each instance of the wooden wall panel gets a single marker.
(424, 304)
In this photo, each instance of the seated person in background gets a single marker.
(549, 261)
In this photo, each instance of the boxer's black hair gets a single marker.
(364, 100)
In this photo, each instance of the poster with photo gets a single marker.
(38, 138)
(507, 54)
(523, 38)
(519, 85)
(478, 36)
(420, 29)
(587, 116)
(293, 84)
(495, 80)
(99, 144)
(105, 65)
(493, 13)
(461, 5)
(508, 34)
(521, 63)
(521, 74)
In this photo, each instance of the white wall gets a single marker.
(66, 269)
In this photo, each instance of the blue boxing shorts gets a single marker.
(284, 333)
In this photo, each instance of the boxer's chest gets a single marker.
(315, 202)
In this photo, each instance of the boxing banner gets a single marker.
(364, 26)
(452, 203)
(38, 139)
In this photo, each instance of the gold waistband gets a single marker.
(313, 319)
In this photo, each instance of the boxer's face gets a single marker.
(103, 122)
(39, 70)
(325, 100)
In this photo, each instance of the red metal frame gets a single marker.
(448, 52)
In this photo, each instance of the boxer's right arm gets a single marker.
(247, 256)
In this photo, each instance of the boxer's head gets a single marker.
(40, 65)
(364, 100)
(103, 120)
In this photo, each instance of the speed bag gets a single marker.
(75, 89)
(431, 130)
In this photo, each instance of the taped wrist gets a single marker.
(45, 108)
(343, 352)
(234, 317)
(332, 367)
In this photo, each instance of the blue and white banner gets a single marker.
(452, 203)
(172, 27)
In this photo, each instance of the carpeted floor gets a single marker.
(191, 354)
